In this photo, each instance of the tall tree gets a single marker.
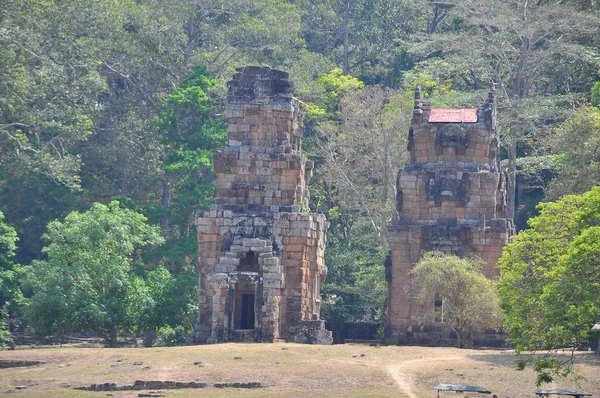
(10, 292)
(370, 39)
(191, 132)
(577, 145)
(49, 83)
(359, 148)
(89, 281)
(523, 51)
(362, 153)
(550, 278)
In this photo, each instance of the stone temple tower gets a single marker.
(450, 198)
(260, 252)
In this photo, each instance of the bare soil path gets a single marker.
(404, 379)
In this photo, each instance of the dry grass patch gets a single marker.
(285, 370)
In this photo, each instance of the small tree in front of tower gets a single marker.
(453, 290)
(93, 277)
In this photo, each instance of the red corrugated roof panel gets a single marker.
(453, 115)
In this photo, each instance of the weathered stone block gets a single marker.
(254, 242)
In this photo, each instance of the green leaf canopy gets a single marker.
(88, 282)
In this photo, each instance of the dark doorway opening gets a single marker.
(244, 312)
(247, 320)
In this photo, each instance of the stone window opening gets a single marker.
(317, 296)
(249, 263)
(438, 309)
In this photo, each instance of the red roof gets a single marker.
(453, 115)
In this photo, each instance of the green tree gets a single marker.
(361, 155)
(521, 51)
(329, 91)
(191, 133)
(550, 281)
(355, 277)
(49, 81)
(469, 300)
(371, 39)
(89, 280)
(596, 95)
(577, 143)
(174, 305)
(359, 148)
(10, 292)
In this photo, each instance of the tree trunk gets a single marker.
(438, 16)
(150, 337)
(511, 184)
(111, 337)
(386, 178)
(187, 52)
(164, 220)
(189, 221)
(459, 341)
(165, 202)
(346, 22)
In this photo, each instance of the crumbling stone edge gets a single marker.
(18, 363)
(164, 385)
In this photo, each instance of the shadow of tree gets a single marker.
(509, 358)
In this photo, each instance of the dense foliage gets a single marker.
(577, 142)
(92, 278)
(468, 300)
(550, 285)
(10, 292)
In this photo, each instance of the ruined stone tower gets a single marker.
(450, 198)
(260, 252)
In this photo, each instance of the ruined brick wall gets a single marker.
(450, 198)
(261, 254)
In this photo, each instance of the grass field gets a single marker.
(284, 370)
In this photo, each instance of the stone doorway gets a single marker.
(244, 310)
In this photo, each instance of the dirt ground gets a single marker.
(283, 369)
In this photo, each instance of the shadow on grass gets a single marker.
(508, 359)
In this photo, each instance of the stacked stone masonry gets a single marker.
(450, 198)
(261, 253)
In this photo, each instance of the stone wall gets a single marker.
(440, 335)
(261, 253)
(450, 198)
